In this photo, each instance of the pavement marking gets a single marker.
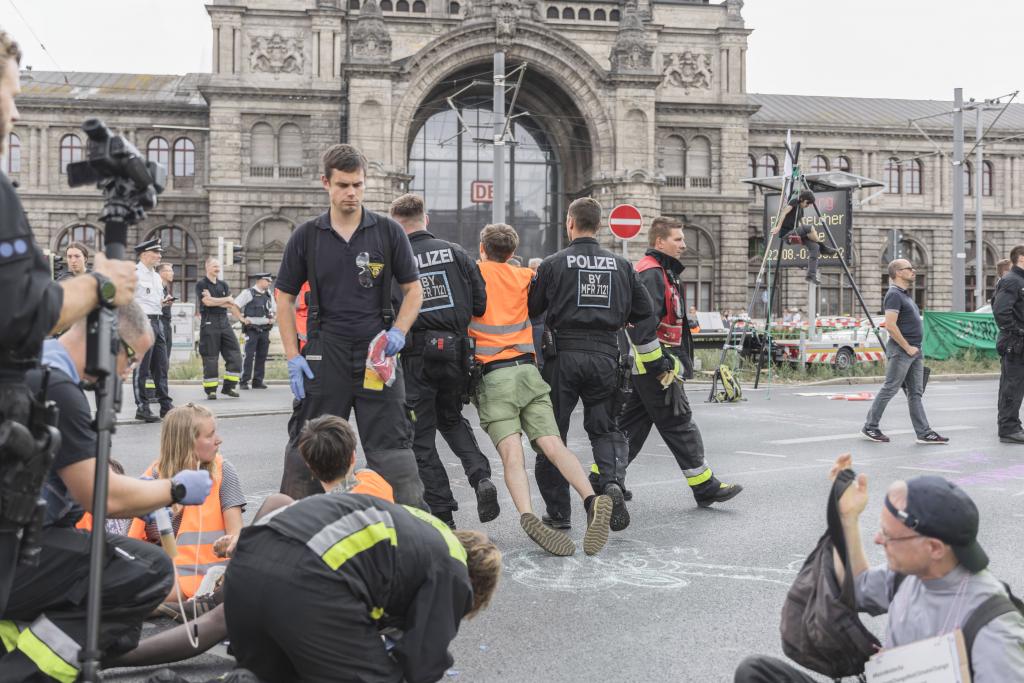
(928, 469)
(1018, 494)
(769, 455)
(961, 409)
(858, 435)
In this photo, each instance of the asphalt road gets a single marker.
(684, 593)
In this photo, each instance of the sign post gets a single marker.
(625, 223)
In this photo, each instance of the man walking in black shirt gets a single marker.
(216, 338)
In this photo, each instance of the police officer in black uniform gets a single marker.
(216, 338)
(588, 295)
(1008, 309)
(658, 397)
(258, 311)
(436, 360)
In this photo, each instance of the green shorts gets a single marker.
(516, 400)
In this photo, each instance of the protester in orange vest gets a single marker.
(513, 397)
(189, 440)
(328, 446)
(114, 525)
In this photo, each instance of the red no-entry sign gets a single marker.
(625, 221)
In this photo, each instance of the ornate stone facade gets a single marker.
(636, 101)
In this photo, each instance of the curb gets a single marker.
(225, 416)
(880, 379)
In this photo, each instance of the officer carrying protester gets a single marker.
(437, 361)
(258, 312)
(152, 370)
(1008, 310)
(349, 255)
(588, 295)
(658, 398)
(216, 337)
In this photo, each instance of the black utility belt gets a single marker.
(586, 341)
(155, 316)
(442, 346)
(525, 359)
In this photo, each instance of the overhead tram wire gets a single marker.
(38, 40)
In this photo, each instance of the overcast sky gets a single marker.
(917, 49)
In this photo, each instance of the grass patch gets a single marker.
(192, 369)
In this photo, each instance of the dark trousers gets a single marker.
(647, 407)
(761, 669)
(1011, 392)
(257, 344)
(216, 338)
(814, 249)
(433, 393)
(291, 621)
(338, 365)
(153, 367)
(49, 600)
(168, 338)
(590, 376)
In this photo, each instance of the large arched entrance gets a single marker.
(547, 165)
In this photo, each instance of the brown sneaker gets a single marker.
(552, 540)
(598, 517)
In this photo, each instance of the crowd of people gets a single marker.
(404, 328)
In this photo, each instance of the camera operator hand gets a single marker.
(121, 273)
(197, 484)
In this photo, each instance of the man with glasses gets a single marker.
(349, 255)
(904, 362)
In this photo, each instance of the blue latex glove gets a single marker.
(396, 341)
(149, 518)
(296, 367)
(197, 485)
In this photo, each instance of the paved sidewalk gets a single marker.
(277, 400)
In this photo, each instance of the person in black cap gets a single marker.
(152, 371)
(258, 312)
(935, 577)
(812, 240)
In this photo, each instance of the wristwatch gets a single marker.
(178, 492)
(105, 289)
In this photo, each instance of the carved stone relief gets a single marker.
(276, 54)
(632, 51)
(370, 38)
(687, 71)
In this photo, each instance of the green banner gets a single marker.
(950, 334)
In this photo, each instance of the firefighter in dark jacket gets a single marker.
(660, 400)
(437, 360)
(1008, 309)
(588, 294)
(310, 588)
(216, 338)
(258, 312)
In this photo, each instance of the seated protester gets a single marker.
(118, 527)
(43, 626)
(513, 398)
(328, 447)
(929, 531)
(189, 440)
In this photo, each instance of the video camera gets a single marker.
(113, 160)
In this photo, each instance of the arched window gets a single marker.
(552, 12)
(699, 276)
(386, 6)
(182, 252)
(767, 166)
(262, 163)
(584, 14)
(599, 15)
(402, 6)
(842, 163)
(264, 247)
(289, 151)
(891, 176)
(353, 4)
(614, 15)
(698, 163)
(913, 252)
(454, 8)
(419, 6)
(986, 179)
(989, 259)
(968, 179)
(568, 13)
(88, 235)
(912, 177)
(70, 151)
(751, 167)
(819, 164)
(13, 154)
(158, 151)
(674, 160)
(184, 158)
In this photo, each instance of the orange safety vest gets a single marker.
(504, 330)
(301, 314)
(85, 523)
(194, 546)
(372, 484)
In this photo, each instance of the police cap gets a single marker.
(263, 276)
(149, 245)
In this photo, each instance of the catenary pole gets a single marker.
(958, 201)
(498, 201)
(979, 183)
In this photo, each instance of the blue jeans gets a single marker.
(901, 368)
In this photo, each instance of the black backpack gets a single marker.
(820, 626)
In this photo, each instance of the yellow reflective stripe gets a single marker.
(649, 356)
(700, 478)
(594, 468)
(9, 635)
(230, 378)
(648, 347)
(477, 326)
(350, 546)
(210, 383)
(455, 547)
(48, 661)
(150, 384)
(376, 613)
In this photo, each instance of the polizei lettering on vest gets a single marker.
(590, 262)
(435, 258)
